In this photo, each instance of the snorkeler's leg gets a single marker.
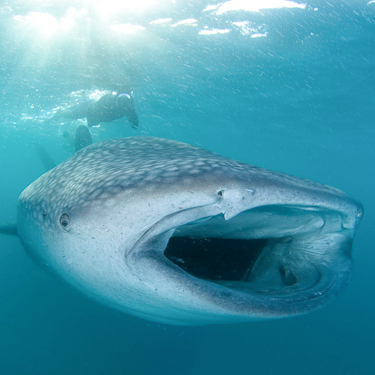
(59, 114)
(75, 112)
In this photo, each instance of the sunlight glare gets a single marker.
(256, 5)
(214, 31)
(127, 28)
(109, 8)
(160, 21)
(189, 22)
(45, 22)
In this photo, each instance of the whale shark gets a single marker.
(179, 235)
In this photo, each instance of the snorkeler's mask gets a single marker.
(125, 100)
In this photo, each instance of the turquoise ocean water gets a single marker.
(285, 85)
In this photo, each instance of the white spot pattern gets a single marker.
(104, 169)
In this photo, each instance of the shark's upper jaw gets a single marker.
(266, 262)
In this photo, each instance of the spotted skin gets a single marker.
(102, 220)
(105, 169)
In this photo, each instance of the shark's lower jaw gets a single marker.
(268, 262)
(274, 268)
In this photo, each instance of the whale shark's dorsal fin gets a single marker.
(9, 228)
(82, 137)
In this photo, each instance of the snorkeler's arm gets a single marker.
(133, 118)
(129, 108)
(132, 115)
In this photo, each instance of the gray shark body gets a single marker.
(177, 234)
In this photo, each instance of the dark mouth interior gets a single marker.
(215, 258)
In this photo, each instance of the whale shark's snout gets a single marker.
(180, 235)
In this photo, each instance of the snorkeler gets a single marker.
(108, 108)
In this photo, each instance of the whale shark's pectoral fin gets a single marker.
(9, 228)
(44, 156)
(82, 139)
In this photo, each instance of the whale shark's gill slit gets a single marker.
(215, 259)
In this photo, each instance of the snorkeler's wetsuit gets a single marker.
(106, 109)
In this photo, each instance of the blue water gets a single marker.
(289, 89)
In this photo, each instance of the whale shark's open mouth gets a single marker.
(215, 259)
(293, 256)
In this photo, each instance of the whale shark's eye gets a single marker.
(64, 221)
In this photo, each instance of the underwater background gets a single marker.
(289, 86)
